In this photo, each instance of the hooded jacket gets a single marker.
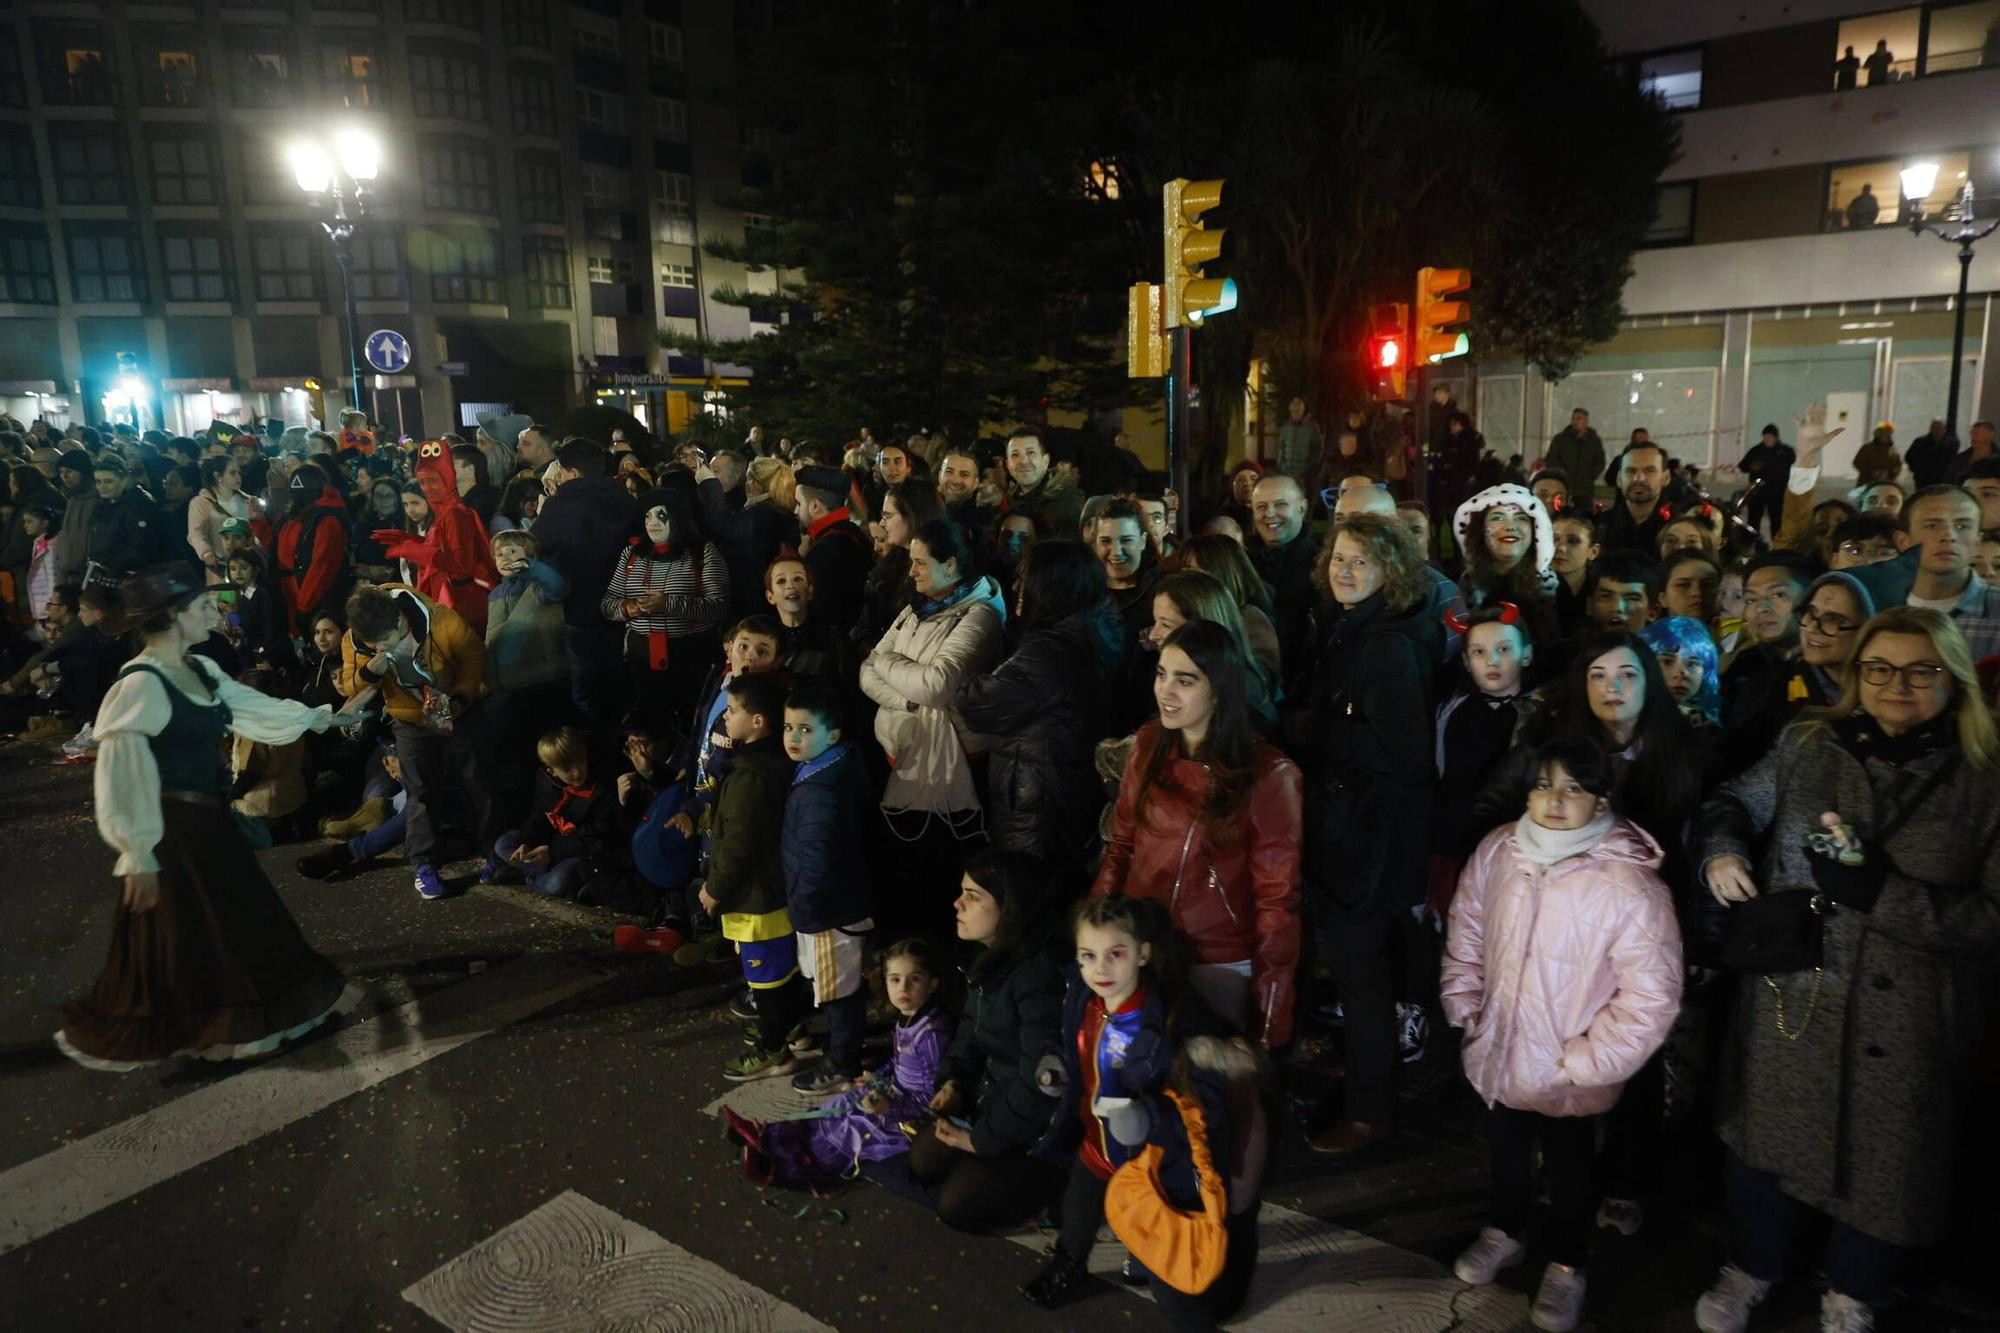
(454, 559)
(1565, 977)
(1232, 901)
(825, 862)
(1042, 711)
(311, 569)
(448, 652)
(1523, 499)
(581, 530)
(914, 674)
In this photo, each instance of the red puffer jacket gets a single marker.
(1233, 901)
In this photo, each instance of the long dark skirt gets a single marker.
(217, 969)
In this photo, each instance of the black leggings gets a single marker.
(1083, 1214)
(983, 1193)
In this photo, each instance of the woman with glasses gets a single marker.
(1836, 607)
(1839, 1102)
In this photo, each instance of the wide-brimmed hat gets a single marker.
(505, 427)
(162, 589)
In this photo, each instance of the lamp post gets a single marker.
(1919, 179)
(338, 182)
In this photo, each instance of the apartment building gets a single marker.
(549, 172)
(1765, 285)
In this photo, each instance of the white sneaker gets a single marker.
(1559, 1300)
(1624, 1216)
(1844, 1314)
(1485, 1257)
(1726, 1306)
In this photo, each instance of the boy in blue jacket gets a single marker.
(826, 880)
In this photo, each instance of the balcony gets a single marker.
(1882, 264)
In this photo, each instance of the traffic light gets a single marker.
(1145, 345)
(1388, 352)
(1433, 342)
(1190, 296)
(316, 392)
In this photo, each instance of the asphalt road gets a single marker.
(514, 1131)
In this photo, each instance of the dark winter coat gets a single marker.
(1287, 571)
(826, 818)
(125, 533)
(1056, 511)
(1368, 682)
(267, 633)
(1042, 712)
(581, 531)
(749, 535)
(1013, 1017)
(746, 868)
(839, 560)
(575, 821)
(1859, 1117)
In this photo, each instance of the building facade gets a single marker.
(1765, 285)
(549, 173)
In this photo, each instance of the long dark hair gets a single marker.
(1662, 781)
(918, 501)
(1019, 882)
(28, 484)
(1230, 747)
(1058, 579)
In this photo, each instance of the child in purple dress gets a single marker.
(865, 1124)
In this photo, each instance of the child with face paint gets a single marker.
(1476, 726)
(670, 590)
(1563, 967)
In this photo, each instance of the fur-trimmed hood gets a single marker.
(1229, 1058)
(1523, 499)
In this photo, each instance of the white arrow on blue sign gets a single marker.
(388, 351)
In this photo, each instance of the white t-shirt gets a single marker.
(1945, 605)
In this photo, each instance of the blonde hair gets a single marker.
(773, 476)
(1977, 738)
(564, 746)
(520, 537)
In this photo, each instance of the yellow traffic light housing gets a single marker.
(1433, 340)
(1190, 296)
(1145, 344)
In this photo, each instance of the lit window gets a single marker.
(1861, 195)
(677, 275)
(1673, 78)
(1877, 49)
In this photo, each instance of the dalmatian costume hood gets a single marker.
(1523, 499)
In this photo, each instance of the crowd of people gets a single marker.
(1682, 814)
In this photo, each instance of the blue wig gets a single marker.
(1684, 636)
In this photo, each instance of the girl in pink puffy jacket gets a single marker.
(1563, 967)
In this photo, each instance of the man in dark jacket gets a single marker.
(124, 526)
(581, 530)
(73, 475)
(1055, 510)
(1635, 522)
(1929, 456)
(1284, 553)
(1578, 454)
(836, 551)
(1769, 464)
(749, 535)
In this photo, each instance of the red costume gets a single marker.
(454, 560)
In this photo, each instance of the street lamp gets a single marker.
(338, 181)
(1919, 179)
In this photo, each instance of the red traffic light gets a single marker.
(1388, 353)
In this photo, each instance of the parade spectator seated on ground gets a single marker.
(573, 831)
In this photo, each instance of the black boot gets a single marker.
(1055, 1282)
(326, 863)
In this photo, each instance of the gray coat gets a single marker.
(1858, 1116)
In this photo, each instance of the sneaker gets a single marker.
(742, 1005)
(326, 862)
(490, 870)
(821, 1080)
(48, 727)
(1057, 1281)
(759, 1064)
(644, 939)
(80, 744)
(429, 886)
(1559, 1300)
(1484, 1258)
(1624, 1216)
(1412, 1027)
(700, 949)
(1726, 1306)
(1844, 1314)
(804, 1043)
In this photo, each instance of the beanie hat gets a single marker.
(829, 479)
(77, 461)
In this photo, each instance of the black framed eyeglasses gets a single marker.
(1916, 675)
(1827, 622)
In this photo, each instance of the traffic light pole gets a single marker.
(1180, 370)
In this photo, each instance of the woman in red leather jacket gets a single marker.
(1208, 820)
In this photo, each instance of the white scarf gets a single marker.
(1546, 846)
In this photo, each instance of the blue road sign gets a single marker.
(388, 351)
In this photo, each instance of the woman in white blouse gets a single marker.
(205, 961)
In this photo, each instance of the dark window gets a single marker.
(104, 262)
(13, 89)
(465, 266)
(171, 67)
(27, 272)
(1673, 220)
(90, 167)
(353, 73)
(20, 174)
(267, 178)
(525, 23)
(287, 264)
(538, 186)
(76, 64)
(196, 265)
(545, 261)
(446, 81)
(457, 175)
(183, 167)
(531, 98)
(459, 13)
(260, 68)
(378, 267)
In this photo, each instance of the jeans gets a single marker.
(558, 879)
(847, 1020)
(385, 836)
(595, 677)
(459, 760)
(1511, 1136)
(1763, 1219)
